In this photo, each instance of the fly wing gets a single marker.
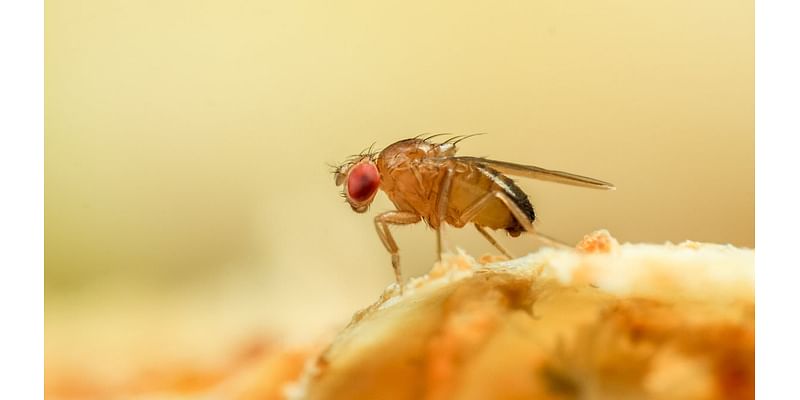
(530, 171)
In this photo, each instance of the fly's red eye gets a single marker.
(362, 182)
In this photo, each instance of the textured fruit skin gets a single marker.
(609, 321)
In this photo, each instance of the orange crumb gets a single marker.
(598, 242)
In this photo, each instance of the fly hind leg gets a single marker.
(470, 212)
(526, 223)
(382, 222)
(491, 240)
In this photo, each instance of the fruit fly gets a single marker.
(428, 182)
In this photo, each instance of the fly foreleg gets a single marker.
(382, 222)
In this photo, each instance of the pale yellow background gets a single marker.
(187, 199)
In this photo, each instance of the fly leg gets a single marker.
(491, 240)
(439, 243)
(382, 222)
(441, 207)
(525, 222)
(428, 193)
(473, 210)
(551, 240)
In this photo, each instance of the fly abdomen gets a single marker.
(471, 184)
(515, 194)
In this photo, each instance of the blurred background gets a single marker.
(189, 207)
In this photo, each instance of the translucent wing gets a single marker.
(530, 171)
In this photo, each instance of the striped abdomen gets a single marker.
(471, 182)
